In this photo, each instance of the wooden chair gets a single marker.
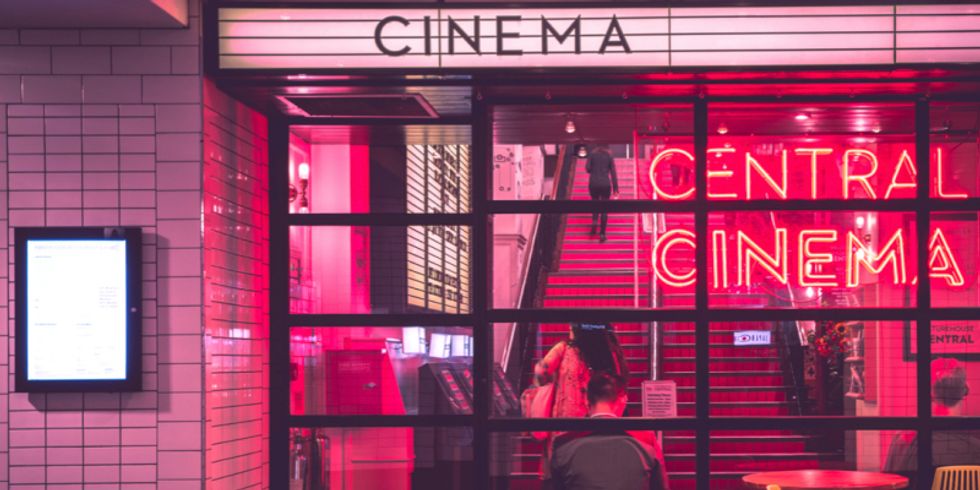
(957, 478)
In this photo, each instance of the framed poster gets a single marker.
(78, 309)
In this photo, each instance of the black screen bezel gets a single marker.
(134, 319)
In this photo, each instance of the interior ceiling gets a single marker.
(539, 106)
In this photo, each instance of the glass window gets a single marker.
(363, 458)
(516, 459)
(955, 151)
(380, 269)
(649, 356)
(381, 371)
(379, 169)
(593, 261)
(544, 152)
(735, 454)
(812, 259)
(811, 151)
(812, 368)
(953, 254)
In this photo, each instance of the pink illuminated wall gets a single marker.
(236, 299)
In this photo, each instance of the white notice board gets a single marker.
(660, 399)
(76, 311)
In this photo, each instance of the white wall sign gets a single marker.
(76, 318)
(660, 398)
(752, 337)
(297, 39)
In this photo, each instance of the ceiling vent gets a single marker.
(367, 106)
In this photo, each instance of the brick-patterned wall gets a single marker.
(236, 307)
(103, 127)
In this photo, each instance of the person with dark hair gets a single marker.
(570, 364)
(606, 460)
(949, 448)
(601, 167)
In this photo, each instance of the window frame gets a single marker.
(483, 316)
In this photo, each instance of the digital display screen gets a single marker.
(77, 310)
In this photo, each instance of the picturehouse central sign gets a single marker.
(297, 39)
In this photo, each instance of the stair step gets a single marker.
(624, 260)
(595, 285)
(725, 373)
(736, 388)
(589, 272)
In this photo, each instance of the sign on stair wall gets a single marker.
(659, 398)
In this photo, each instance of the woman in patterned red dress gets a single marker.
(590, 348)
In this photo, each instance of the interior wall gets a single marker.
(236, 293)
(103, 128)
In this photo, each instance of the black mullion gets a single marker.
(412, 421)
(923, 296)
(702, 326)
(376, 319)
(279, 368)
(378, 219)
(722, 314)
(663, 206)
(718, 423)
(481, 178)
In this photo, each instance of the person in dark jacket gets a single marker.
(602, 181)
(608, 459)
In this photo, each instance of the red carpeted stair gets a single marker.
(745, 381)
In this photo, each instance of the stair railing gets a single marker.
(541, 260)
(790, 345)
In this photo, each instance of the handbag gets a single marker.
(539, 402)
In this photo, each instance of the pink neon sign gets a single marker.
(802, 173)
(808, 253)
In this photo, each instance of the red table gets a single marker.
(825, 480)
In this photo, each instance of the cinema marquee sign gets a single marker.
(308, 39)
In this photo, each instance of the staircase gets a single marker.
(744, 381)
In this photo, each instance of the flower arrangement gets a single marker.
(830, 339)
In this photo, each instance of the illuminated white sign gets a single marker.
(753, 337)
(441, 38)
(76, 310)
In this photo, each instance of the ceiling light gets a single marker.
(803, 116)
(581, 150)
(569, 126)
(722, 129)
(876, 129)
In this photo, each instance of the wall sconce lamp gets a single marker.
(303, 172)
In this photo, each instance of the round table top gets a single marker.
(825, 480)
